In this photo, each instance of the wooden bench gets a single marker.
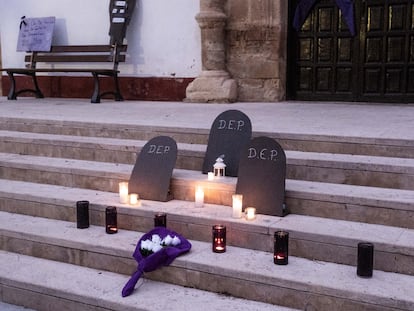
(111, 55)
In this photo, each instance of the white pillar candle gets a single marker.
(133, 199)
(210, 176)
(199, 197)
(250, 213)
(237, 205)
(123, 192)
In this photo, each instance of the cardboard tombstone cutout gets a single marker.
(151, 176)
(230, 132)
(262, 175)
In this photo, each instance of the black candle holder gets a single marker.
(281, 248)
(160, 220)
(82, 214)
(365, 259)
(219, 239)
(111, 220)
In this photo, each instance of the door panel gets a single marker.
(326, 63)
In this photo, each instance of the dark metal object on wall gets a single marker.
(120, 14)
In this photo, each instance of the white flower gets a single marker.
(156, 239)
(176, 240)
(167, 240)
(156, 244)
(156, 247)
(147, 244)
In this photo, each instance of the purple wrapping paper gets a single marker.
(305, 6)
(164, 257)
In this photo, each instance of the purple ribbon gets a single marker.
(305, 6)
(164, 257)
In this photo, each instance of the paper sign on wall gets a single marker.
(36, 34)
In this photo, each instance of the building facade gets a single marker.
(245, 50)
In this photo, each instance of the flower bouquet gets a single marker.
(159, 247)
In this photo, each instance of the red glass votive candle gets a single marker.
(111, 220)
(365, 259)
(281, 248)
(219, 239)
(160, 220)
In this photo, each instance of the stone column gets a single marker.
(1, 73)
(214, 83)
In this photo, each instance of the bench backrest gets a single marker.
(114, 54)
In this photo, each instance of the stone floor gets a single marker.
(9, 307)
(386, 121)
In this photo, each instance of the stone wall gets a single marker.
(256, 33)
(1, 73)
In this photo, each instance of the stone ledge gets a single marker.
(311, 237)
(325, 285)
(40, 283)
(105, 177)
(386, 172)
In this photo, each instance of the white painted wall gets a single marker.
(163, 36)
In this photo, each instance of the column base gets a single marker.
(212, 86)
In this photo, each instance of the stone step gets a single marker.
(310, 237)
(344, 144)
(10, 307)
(392, 207)
(386, 172)
(49, 285)
(101, 149)
(322, 285)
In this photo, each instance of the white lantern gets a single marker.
(219, 168)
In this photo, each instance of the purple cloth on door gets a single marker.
(164, 257)
(305, 6)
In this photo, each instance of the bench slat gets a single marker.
(25, 71)
(81, 58)
(86, 48)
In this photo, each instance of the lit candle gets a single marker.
(160, 220)
(111, 220)
(199, 197)
(82, 214)
(237, 205)
(134, 199)
(219, 239)
(123, 192)
(250, 213)
(365, 259)
(281, 248)
(210, 176)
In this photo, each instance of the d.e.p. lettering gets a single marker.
(233, 125)
(159, 149)
(262, 154)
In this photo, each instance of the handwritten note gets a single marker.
(36, 34)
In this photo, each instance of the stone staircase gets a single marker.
(339, 191)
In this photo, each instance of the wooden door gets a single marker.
(325, 62)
